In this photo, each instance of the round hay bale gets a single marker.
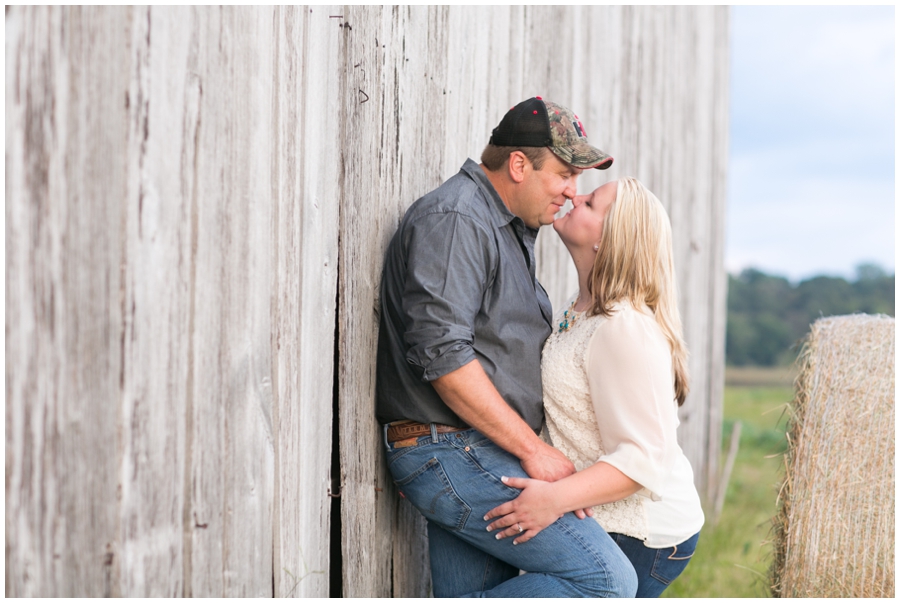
(834, 532)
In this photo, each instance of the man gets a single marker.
(459, 390)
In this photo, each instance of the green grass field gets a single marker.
(733, 556)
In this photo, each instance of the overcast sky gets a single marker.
(811, 178)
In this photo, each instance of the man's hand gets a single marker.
(547, 464)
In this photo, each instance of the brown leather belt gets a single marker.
(404, 430)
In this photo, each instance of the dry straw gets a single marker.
(834, 532)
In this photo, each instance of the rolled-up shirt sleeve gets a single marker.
(451, 260)
(629, 367)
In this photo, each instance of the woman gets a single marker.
(613, 373)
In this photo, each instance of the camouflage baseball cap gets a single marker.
(539, 123)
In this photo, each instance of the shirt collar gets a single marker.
(500, 214)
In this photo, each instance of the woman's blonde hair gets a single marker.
(634, 263)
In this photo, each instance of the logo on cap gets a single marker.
(580, 129)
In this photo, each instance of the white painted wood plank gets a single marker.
(31, 493)
(64, 236)
(249, 430)
(367, 515)
(205, 421)
(232, 434)
(719, 279)
(32, 496)
(307, 166)
(156, 304)
(93, 317)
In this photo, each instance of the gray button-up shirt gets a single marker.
(459, 285)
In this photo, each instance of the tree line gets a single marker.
(768, 315)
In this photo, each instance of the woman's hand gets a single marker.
(526, 515)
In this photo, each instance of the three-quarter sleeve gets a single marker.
(451, 260)
(629, 369)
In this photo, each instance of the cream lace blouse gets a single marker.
(609, 396)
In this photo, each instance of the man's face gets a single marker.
(543, 192)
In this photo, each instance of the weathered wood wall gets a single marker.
(171, 273)
(197, 203)
(651, 86)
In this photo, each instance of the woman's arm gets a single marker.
(632, 388)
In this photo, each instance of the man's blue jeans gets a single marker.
(453, 479)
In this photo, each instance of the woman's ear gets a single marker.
(517, 166)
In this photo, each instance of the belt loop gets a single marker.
(434, 433)
(384, 435)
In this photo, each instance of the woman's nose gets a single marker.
(577, 200)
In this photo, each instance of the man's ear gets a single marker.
(517, 165)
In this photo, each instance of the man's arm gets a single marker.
(450, 258)
(469, 392)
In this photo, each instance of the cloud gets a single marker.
(830, 59)
(811, 182)
(799, 227)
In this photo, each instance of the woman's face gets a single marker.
(582, 226)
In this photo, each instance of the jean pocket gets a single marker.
(671, 561)
(430, 491)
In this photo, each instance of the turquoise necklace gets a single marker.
(569, 318)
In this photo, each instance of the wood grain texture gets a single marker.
(367, 511)
(306, 224)
(198, 203)
(232, 440)
(718, 293)
(156, 307)
(65, 308)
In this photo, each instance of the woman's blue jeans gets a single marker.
(453, 479)
(656, 568)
